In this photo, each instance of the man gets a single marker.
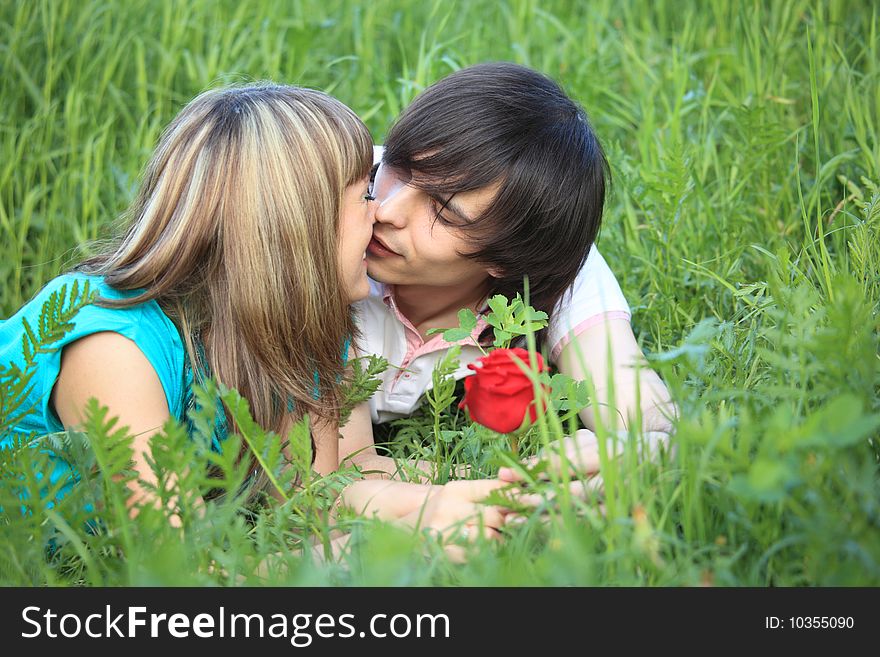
(491, 174)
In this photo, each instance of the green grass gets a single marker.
(742, 226)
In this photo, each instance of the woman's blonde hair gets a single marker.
(234, 233)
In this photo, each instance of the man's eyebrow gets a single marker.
(455, 208)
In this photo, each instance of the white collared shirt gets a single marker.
(594, 297)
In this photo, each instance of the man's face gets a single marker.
(412, 245)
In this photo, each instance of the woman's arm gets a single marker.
(454, 511)
(112, 369)
(356, 447)
(384, 500)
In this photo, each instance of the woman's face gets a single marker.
(355, 230)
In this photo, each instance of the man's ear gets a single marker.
(495, 272)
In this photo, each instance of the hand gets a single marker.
(454, 512)
(455, 505)
(581, 458)
(578, 461)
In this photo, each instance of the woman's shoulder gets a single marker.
(69, 290)
(77, 297)
(68, 308)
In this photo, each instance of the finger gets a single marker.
(530, 500)
(515, 498)
(577, 455)
(586, 437)
(484, 519)
(473, 533)
(460, 534)
(526, 464)
(575, 460)
(585, 488)
(491, 534)
(492, 517)
(510, 475)
(554, 463)
(581, 489)
(456, 553)
(478, 489)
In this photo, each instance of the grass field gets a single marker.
(742, 226)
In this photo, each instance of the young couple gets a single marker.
(252, 235)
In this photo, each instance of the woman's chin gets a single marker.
(359, 291)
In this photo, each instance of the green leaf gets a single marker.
(448, 436)
(467, 319)
(537, 315)
(360, 383)
(498, 304)
(840, 423)
(455, 334)
(695, 346)
(502, 337)
(467, 322)
(767, 481)
(265, 446)
(494, 320)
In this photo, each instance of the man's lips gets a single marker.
(378, 248)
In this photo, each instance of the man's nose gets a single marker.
(394, 206)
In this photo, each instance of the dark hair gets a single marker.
(507, 124)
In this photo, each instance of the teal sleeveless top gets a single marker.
(145, 324)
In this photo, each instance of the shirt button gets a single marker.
(407, 375)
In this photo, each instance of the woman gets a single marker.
(244, 248)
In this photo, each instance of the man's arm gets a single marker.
(610, 348)
(626, 387)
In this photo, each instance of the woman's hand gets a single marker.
(455, 513)
(455, 510)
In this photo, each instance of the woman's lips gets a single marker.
(377, 248)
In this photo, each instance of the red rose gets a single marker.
(499, 394)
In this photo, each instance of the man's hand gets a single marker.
(578, 458)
